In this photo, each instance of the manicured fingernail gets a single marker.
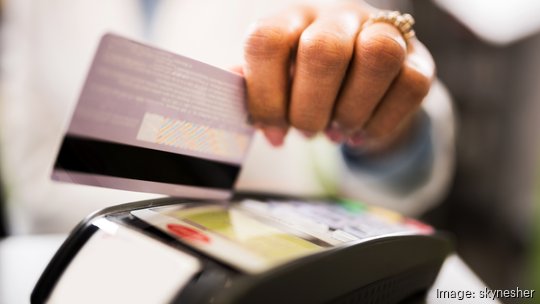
(334, 134)
(308, 134)
(357, 139)
(276, 136)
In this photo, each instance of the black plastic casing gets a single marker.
(382, 270)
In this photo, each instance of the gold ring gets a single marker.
(403, 22)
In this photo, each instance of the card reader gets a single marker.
(250, 250)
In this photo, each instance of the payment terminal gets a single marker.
(248, 250)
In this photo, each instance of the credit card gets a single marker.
(152, 121)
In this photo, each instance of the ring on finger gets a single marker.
(403, 22)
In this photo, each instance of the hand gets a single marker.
(318, 69)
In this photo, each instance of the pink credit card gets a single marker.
(151, 121)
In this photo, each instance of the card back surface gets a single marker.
(151, 121)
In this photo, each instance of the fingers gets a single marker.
(324, 51)
(320, 70)
(405, 94)
(380, 52)
(268, 50)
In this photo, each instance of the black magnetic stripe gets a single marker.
(120, 160)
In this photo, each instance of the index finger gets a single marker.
(268, 50)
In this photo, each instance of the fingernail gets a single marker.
(276, 136)
(308, 134)
(357, 139)
(335, 135)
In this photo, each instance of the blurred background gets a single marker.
(487, 54)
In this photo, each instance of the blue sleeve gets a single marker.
(403, 169)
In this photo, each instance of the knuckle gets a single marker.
(307, 123)
(324, 51)
(265, 41)
(266, 114)
(416, 84)
(380, 130)
(349, 121)
(353, 112)
(381, 54)
(268, 120)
